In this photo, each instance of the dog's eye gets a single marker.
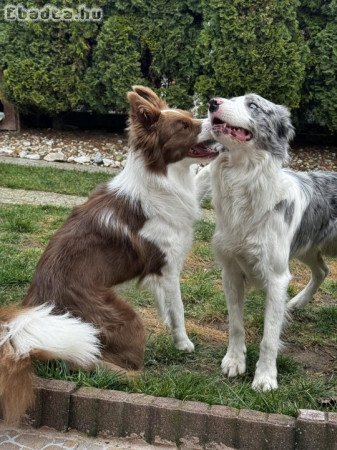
(253, 106)
(184, 125)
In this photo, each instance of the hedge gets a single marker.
(187, 50)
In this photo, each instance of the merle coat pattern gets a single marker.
(265, 215)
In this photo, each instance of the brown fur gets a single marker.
(16, 375)
(16, 384)
(163, 137)
(87, 257)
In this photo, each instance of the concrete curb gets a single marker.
(188, 425)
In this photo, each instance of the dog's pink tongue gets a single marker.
(241, 134)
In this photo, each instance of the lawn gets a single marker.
(49, 179)
(307, 367)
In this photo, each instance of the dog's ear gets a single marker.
(285, 129)
(143, 111)
(150, 96)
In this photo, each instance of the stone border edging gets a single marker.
(189, 425)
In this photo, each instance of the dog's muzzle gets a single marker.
(214, 105)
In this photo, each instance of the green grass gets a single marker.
(197, 376)
(204, 230)
(24, 233)
(50, 180)
(207, 203)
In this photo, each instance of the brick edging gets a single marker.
(61, 405)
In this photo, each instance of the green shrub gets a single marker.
(187, 50)
(44, 62)
(318, 105)
(251, 46)
(116, 65)
(167, 32)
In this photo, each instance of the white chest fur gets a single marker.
(169, 202)
(247, 225)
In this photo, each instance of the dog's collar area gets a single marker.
(239, 133)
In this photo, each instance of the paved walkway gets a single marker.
(48, 439)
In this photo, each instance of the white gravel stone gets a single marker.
(98, 158)
(82, 159)
(23, 154)
(58, 156)
(107, 162)
(6, 151)
(32, 156)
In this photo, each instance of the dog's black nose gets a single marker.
(214, 104)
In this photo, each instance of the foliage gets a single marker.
(167, 33)
(187, 50)
(115, 67)
(251, 46)
(319, 94)
(44, 62)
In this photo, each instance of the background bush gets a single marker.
(318, 20)
(251, 46)
(187, 50)
(44, 62)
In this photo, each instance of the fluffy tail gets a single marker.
(37, 333)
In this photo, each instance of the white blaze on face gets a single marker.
(234, 113)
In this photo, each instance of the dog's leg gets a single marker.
(171, 310)
(319, 271)
(266, 372)
(234, 362)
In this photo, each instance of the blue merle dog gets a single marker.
(265, 215)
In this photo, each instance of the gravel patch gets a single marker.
(85, 147)
(314, 158)
(102, 149)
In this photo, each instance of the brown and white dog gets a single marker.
(139, 225)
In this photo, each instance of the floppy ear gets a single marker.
(285, 129)
(142, 110)
(150, 96)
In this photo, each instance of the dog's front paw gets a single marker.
(264, 382)
(185, 345)
(234, 364)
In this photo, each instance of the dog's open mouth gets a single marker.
(203, 150)
(241, 134)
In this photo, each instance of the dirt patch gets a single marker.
(317, 360)
(206, 332)
(320, 360)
